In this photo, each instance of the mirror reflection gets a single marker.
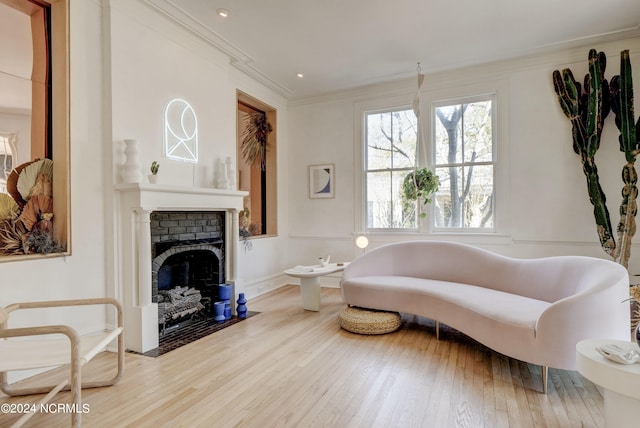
(24, 88)
(26, 165)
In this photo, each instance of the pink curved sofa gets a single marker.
(533, 310)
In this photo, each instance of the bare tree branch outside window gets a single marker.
(463, 144)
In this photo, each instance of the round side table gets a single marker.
(310, 282)
(620, 382)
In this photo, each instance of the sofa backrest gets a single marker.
(549, 279)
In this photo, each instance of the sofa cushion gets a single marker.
(500, 320)
(497, 305)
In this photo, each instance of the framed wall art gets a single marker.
(321, 181)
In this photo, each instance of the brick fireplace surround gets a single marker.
(137, 201)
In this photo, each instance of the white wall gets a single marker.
(16, 61)
(323, 133)
(547, 206)
(154, 60)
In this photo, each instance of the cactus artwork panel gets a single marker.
(587, 106)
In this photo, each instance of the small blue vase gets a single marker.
(241, 309)
(218, 308)
(224, 291)
(227, 309)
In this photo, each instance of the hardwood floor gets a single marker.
(287, 367)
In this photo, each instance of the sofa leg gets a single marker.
(437, 330)
(545, 375)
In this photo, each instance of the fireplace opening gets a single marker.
(188, 265)
(187, 287)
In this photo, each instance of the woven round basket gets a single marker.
(369, 321)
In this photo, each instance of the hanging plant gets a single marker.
(419, 185)
(254, 141)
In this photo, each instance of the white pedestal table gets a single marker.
(620, 382)
(310, 282)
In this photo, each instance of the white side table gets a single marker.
(621, 383)
(310, 282)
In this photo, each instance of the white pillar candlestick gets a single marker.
(231, 174)
(131, 170)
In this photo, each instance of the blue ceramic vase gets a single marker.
(218, 308)
(224, 292)
(227, 309)
(242, 306)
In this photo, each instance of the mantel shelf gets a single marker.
(155, 197)
(165, 188)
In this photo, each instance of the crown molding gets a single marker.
(238, 58)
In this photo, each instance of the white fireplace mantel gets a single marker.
(136, 202)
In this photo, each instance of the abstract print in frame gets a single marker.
(321, 181)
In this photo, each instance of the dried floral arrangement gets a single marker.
(26, 211)
(254, 139)
(247, 229)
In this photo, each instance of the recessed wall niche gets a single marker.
(43, 72)
(257, 174)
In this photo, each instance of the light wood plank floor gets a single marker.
(287, 367)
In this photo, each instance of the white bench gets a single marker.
(534, 310)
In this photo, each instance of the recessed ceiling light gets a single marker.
(300, 75)
(222, 12)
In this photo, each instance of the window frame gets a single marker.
(366, 170)
(438, 89)
(466, 99)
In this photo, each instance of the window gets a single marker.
(464, 161)
(7, 155)
(390, 137)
